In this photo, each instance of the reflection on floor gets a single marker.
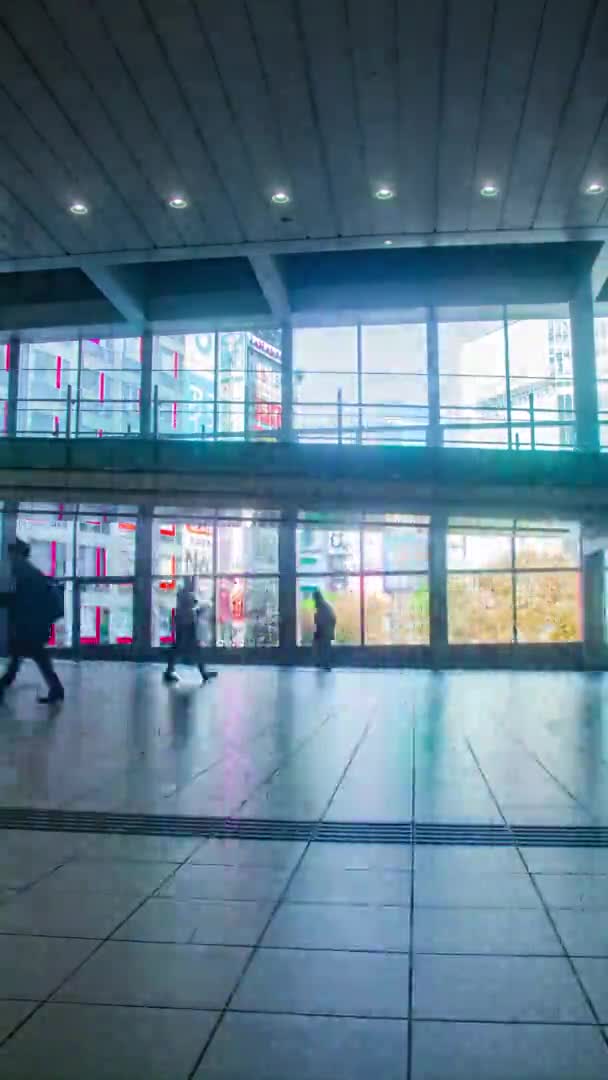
(159, 957)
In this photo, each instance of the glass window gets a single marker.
(334, 551)
(548, 606)
(546, 546)
(109, 388)
(184, 374)
(105, 543)
(394, 383)
(325, 383)
(473, 389)
(106, 614)
(180, 547)
(164, 594)
(5, 363)
(247, 612)
(601, 365)
(395, 548)
(344, 595)
(61, 631)
(247, 547)
(396, 609)
(540, 365)
(480, 608)
(479, 546)
(50, 533)
(46, 369)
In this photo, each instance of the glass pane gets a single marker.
(46, 369)
(344, 597)
(328, 551)
(106, 614)
(549, 606)
(110, 386)
(5, 363)
(183, 371)
(601, 363)
(106, 545)
(395, 549)
(546, 547)
(182, 548)
(473, 389)
(164, 593)
(248, 548)
(540, 362)
(247, 612)
(61, 633)
(394, 383)
(51, 539)
(480, 609)
(325, 368)
(469, 548)
(396, 610)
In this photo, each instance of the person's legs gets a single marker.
(200, 663)
(325, 654)
(41, 656)
(11, 671)
(169, 674)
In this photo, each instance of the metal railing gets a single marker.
(343, 422)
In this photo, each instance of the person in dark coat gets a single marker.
(325, 630)
(187, 646)
(30, 618)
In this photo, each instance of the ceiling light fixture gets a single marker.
(177, 202)
(384, 193)
(280, 198)
(489, 190)
(79, 208)
(594, 188)
(388, 243)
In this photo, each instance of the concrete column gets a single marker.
(142, 595)
(593, 588)
(583, 363)
(147, 389)
(434, 433)
(14, 351)
(287, 383)
(287, 582)
(438, 600)
(9, 532)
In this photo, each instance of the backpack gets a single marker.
(56, 601)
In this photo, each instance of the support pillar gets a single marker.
(438, 598)
(12, 404)
(583, 364)
(145, 414)
(142, 589)
(286, 382)
(287, 582)
(593, 599)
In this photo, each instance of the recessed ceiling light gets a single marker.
(388, 243)
(280, 197)
(79, 208)
(177, 202)
(594, 188)
(489, 190)
(384, 193)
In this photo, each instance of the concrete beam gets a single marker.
(272, 284)
(120, 288)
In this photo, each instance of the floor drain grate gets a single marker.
(349, 832)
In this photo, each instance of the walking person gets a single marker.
(186, 646)
(33, 604)
(325, 630)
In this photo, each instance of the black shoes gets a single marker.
(52, 698)
(170, 677)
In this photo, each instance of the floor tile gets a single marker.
(327, 983)
(350, 886)
(19, 869)
(171, 849)
(110, 876)
(263, 1047)
(504, 988)
(279, 854)
(566, 860)
(494, 931)
(226, 883)
(594, 975)
(70, 1042)
(338, 926)
(507, 1052)
(583, 933)
(444, 889)
(468, 860)
(579, 891)
(44, 910)
(11, 1014)
(204, 922)
(330, 856)
(32, 967)
(174, 976)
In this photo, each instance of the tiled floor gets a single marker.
(152, 957)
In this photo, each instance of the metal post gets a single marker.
(78, 385)
(286, 382)
(216, 384)
(434, 436)
(142, 591)
(287, 582)
(155, 413)
(584, 367)
(13, 357)
(438, 598)
(146, 356)
(532, 431)
(508, 380)
(339, 416)
(68, 413)
(359, 382)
